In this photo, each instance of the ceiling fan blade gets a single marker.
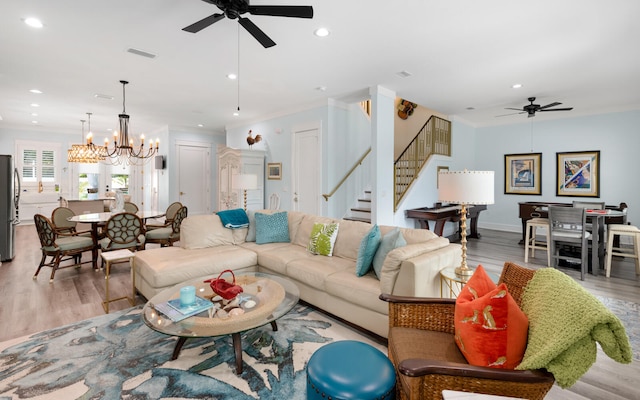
(504, 115)
(256, 32)
(283, 11)
(557, 109)
(203, 23)
(549, 105)
(510, 108)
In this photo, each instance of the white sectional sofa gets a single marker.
(327, 282)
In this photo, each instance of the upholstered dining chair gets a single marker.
(60, 219)
(59, 245)
(568, 227)
(130, 207)
(169, 215)
(168, 235)
(123, 231)
(422, 348)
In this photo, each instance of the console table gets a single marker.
(441, 215)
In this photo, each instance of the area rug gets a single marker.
(117, 356)
(629, 314)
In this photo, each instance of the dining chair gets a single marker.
(169, 215)
(623, 230)
(274, 201)
(568, 228)
(532, 243)
(168, 235)
(60, 219)
(130, 207)
(123, 231)
(59, 245)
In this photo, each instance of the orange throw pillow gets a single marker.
(491, 330)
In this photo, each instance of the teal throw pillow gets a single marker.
(390, 241)
(367, 251)
(323, 237)
(272, 228)
(251, 232)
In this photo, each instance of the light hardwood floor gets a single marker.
(29, 306)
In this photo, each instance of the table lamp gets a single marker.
(465, 188)
(245, 182)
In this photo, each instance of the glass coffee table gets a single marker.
(269, 297)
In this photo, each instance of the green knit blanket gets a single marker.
(565, 322)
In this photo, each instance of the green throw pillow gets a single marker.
(272, 228)
(390, 241)
(323, 237)
(367, 251)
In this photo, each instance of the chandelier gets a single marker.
(87, 153)
(123, 151)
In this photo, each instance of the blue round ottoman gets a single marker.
(350, 370)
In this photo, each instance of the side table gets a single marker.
(110, 257)
(454, 282)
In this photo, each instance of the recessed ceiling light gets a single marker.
(236, 113)
(321, 32)
(35, 105)
(34, 114)
(516, 86)
(200, 126)
(36, 91)
(34, 122)
(33, 22)
(232, 76)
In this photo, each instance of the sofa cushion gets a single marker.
(389, 242)
(303, 234)
(367, 250)
(313, 270)
(158, 266)
(410, 235)
(277, 258)
(272, 228)
(323, 237)
(491, 330)
(204, 231)
(363, 291)
(349, 238)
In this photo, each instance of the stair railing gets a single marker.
(433, 138)
(346, 176)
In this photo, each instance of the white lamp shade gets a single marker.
(245, 181)
(466, 187)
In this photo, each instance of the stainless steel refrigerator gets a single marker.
(9, 200)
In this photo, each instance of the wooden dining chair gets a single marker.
(567, 226)
(59, 246)
(168, 235)
(60, 219)
(169, 215)
(123, 231)
(130, 207)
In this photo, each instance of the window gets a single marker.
(38, 162)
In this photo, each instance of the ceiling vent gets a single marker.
(103, 96)
(404, 74)
(141, 53)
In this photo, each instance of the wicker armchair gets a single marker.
(169, 215)
(427, 360)
(169, 235)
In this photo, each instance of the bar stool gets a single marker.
(622, 230)
(530, 238)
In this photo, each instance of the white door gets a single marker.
(194, 176)
(307, 159)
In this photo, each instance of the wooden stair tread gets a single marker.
(357, 219)
(367, 210)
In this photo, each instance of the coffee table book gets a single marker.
(176, 312)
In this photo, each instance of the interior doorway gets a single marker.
(306, 172)
(194, 176)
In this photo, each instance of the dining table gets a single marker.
(96, 220)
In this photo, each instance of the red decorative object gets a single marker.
(223, 288)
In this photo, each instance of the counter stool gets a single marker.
(110, 257)
(349, 369)
(622, 230)
(530, 238)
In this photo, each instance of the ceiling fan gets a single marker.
(531, 109)
(233, 9)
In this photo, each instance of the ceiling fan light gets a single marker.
(33, 22)
(516, 86)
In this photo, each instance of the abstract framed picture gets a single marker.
(274, 171)
(522, 174)
(578, 174)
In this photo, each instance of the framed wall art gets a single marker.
(522, 174)
(578, 174)
(274, 171)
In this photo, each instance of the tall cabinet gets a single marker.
(232, 162)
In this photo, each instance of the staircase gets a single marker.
(433, 138)
(362, 211)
